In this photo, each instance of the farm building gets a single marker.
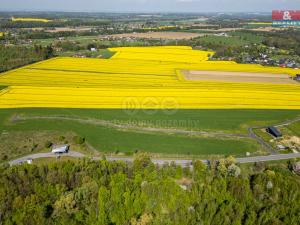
(281, 147)
(60, 149)
(274, 131)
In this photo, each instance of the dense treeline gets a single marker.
(288, 39)
(7, 24)
(102, 192)
(16, 56)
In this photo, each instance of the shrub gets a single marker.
(48, 144)
(62, 138)
(78, 140)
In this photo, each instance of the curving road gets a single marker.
(181, 162)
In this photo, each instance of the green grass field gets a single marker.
(85, 40)
(228, 121)
(100, 53)
(105, 53)
(254, 26)
(228, 41)
(109, 139)
(235, 39)
(81, 39)
(295, 128)
(249, 37)
(292, 129)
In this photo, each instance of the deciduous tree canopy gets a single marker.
(102, 192)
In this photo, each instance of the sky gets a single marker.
(149, 5)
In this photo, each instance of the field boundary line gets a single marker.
(116, 53)
(98, 72)
(26, 66)
(179, 75)
(4, 91)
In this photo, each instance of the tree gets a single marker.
(234, 170)
(49, 52)
(104, 193)
(103, 202)
(141, 161)
(48, 144)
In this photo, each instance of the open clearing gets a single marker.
(159, 35)
(239, 77)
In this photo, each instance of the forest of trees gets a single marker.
(15, 56)
(288, 39)
(103, 192)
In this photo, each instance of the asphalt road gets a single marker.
(181, 162)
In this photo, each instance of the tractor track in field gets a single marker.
(130, 127)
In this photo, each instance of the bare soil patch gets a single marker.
(293, 142)
(269, 29)
(159, 35)
(221, 30)
(238, 77)
(69, 29)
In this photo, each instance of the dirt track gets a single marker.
(238, 77)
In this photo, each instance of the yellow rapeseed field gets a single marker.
(142, 77)
(30, 20)
(159, 28)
